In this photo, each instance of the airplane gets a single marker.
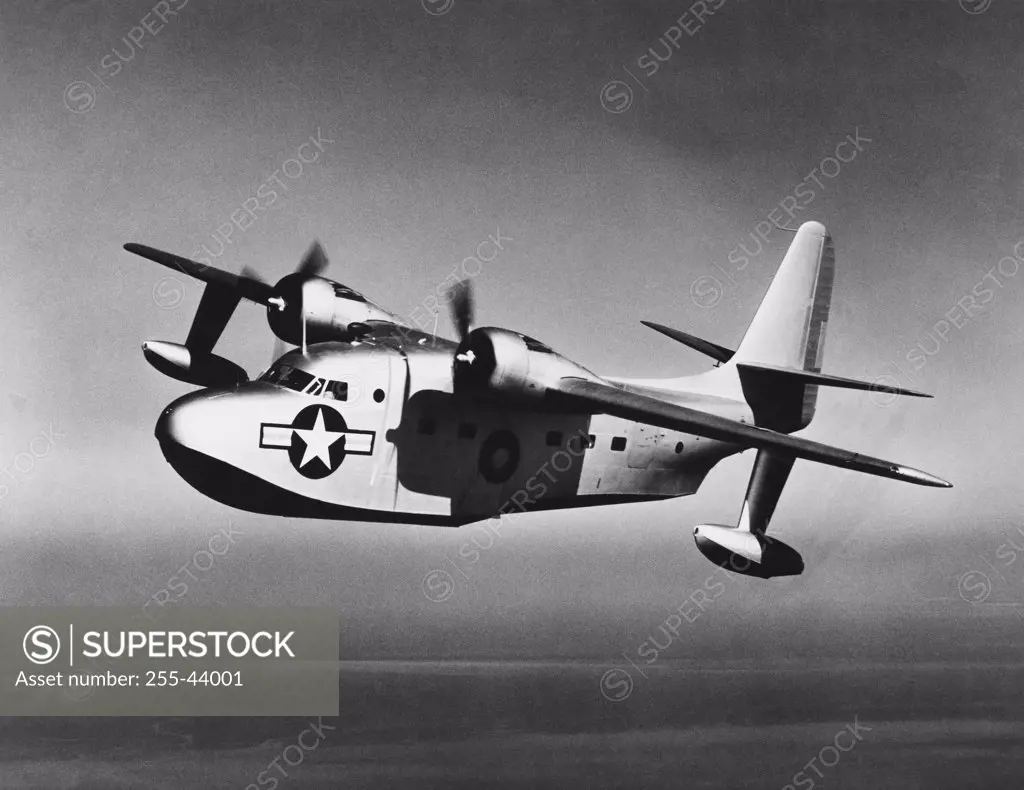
(371, 419)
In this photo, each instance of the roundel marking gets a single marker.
(317, 440)
(499, 456)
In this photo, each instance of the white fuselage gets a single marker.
(373, 431)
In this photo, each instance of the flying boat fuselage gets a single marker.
(373, 431)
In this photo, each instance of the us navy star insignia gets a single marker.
(317, 440)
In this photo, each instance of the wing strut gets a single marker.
(767, 479)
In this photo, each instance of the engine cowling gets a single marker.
(746, 552)
(181, 363)
(321, 308)
(500, 362)
(309, 305)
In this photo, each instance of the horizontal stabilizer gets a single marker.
(706, 347)
(825, 380)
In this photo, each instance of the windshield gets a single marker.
(284, 375)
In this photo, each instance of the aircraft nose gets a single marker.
(185, 421)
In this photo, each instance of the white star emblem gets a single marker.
(318, 441)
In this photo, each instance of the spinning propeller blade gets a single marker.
(460, 298)
(314, 261)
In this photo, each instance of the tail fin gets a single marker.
(788, 331)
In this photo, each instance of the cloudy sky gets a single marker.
(626, 149)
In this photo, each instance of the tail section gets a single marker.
(787, 334)
(777, 367)
(777, 370)
(788, 331)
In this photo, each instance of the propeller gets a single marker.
(460, 298)
(285, 307)
(314, 261)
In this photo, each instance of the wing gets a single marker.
(595, 397)
(246, 284)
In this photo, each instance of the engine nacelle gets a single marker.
(499, 362)
(203, 370)
(746, 552)
(309, 311)
(316, 309)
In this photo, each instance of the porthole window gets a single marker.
(619, 443)
(679, 447)
(499, 456)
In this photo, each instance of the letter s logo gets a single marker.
(41, 644)
(616, 96)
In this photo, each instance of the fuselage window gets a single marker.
(591, 440)
(618, 443)
(679, 447)
(554, 438)
(467, 430)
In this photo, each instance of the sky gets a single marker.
(624, 185)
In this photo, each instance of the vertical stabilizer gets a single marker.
(788, 331)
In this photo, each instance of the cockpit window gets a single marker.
(316, 388)
(292, 378)
(337, 390)
(536, 345)
(347, 293)
(288, 376)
